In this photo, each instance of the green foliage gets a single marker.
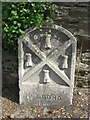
(18, 16)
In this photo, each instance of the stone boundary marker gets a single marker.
(46, 66)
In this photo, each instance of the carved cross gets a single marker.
(47, 60)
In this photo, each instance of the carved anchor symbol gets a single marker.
(49, 60)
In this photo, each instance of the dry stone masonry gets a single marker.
(46, 66)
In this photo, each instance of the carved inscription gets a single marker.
(41, 104)
(44, 97)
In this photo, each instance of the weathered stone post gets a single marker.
(46, 76)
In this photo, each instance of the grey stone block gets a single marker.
(47, 80)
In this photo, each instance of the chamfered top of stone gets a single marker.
(52, 27)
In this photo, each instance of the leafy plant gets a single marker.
(18, 16)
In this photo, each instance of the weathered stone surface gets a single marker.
(48, 78)
(74, 17)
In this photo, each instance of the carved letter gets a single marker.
(53, 97)
(59, 98)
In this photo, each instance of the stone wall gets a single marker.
(74, 17)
